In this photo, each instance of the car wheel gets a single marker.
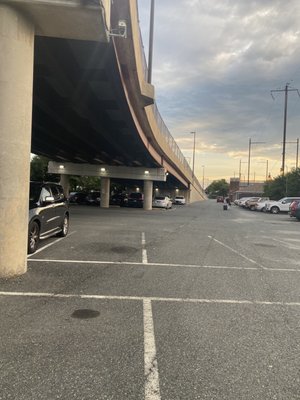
(65, 227)
(252, 208)
(274, 210)
(263, 209)
(33, 237)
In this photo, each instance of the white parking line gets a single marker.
(144, 251)
(224, 267)
(152, 391)
(50, 244)
(237, 252)
(141, 298)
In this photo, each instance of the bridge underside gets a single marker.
(79, 111)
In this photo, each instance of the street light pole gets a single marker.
(151, 34)
(194, 133)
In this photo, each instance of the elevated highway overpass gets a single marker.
(73, 91)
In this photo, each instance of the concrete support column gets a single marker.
(188, 195)
(105, 189)
(148, 193)
(65, 183)
(16, 81)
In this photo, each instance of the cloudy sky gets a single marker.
(214, 65)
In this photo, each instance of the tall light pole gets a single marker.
(151, 34)
(194, 133)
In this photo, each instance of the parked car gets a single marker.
(48, 213)
(93, 198)
(251, 203)
(243, 200)
(117, 199)
(77, 197)
(261, 205)
(179, 200)
(135, 199)
(281, 205)
(238, 202)
(220, 199)
(293, 208)
(297, 212)
(162, 202)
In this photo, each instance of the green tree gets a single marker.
(39, 168)
(217, 188)
(282, 186)
(84, 183)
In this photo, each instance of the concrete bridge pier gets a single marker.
(65, 183)
(105, 192)
(148, 193)
(16, 81)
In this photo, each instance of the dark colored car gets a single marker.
(48, 213)
(297, 212)
(293, 207)
(220, 199)
(78, 197)
(134, 199)
(117, 199)
(93, 198)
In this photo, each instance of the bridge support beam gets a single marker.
(65, 183)
(16, 81)
(148, 193)
(105, 192)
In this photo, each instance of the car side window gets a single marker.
(45, 192)
(57, 193)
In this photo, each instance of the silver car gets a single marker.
(162, 202)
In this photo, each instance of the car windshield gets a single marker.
(179, 197)
(159, 198)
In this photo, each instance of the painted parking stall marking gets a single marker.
(236, 252)
(152, 391)
(144, 251)
(125, 263)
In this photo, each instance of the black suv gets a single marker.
(48, 213)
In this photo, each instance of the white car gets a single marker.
(283, 204)
(242, 201)
(162, 202)
(261, 205)
(179, 200)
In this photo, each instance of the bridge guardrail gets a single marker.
(161, 124)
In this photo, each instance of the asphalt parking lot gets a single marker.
(187, 303)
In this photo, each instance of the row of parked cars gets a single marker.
(135, 199)
(290, 205)
(49, 209)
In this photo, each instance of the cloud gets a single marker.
(215, 63)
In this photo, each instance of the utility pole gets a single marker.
(297, 151)
(151, 33)
(286, 90)
(194, 133)
(249, 155)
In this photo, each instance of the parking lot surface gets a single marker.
(188, 303)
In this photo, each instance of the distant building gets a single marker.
(238, 189)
